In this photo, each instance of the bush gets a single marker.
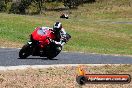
(32, 9)
(52, 5)
(2, 6)
(14, 8)
(71, 3)
(8, 7)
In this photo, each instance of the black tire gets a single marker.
(52, 55)
(24, 52)
(81, 80)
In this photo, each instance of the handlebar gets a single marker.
(51, 40)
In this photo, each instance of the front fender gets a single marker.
(68, 36)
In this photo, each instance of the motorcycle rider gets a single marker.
(60, 33)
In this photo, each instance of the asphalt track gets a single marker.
(9, 57)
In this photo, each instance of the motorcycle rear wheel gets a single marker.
(25, 51)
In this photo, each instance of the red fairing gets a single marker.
(42, 36)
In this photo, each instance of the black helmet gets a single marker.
(57, 27)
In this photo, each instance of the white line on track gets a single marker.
(22, 67)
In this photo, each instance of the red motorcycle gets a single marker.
(42, 44)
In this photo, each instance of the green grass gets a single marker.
(91, 27)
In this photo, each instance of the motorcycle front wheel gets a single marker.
(54, 53)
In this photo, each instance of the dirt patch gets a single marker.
(59, 77)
